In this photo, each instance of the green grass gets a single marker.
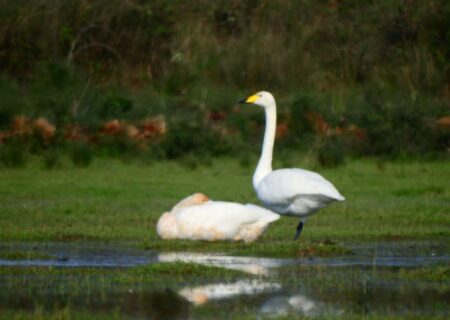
(116, 201)
(438, 274)
(70, 314)
(148, 273)
(23, 255)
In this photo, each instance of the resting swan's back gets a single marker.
(216, 220)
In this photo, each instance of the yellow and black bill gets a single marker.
(251, 99)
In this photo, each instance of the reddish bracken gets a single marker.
(355, 131)
(318, 123)
(323, 128)
(216, 115)
(282, 129)
(153, 127)
(112, 127)
(131, 131)
(443, 124)
(44, 128)
(20, 126)
(74, 132)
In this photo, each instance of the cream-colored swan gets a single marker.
(196, 218)
(291, 192)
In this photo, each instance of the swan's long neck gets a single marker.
(265, 162)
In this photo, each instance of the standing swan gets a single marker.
(198, 218)
(291, 192)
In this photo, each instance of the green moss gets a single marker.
(436, 274)
(324, 248)
(179, 269)
(262, 248)
(23, 255)
(184, 269)
(58, 314)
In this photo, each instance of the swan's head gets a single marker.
(192, 200)
(263, 99)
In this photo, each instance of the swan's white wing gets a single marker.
(281, 187)
(223, 214)
(220, 219)
(263, 214)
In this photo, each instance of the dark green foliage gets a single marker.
(331, 152)
(56, 91)
(52, 159)
(397, 123)
(13, 154)
(246, 160)
(188, 137)
(382, 67)
(81, 154)
(118, 104)
(12, 102)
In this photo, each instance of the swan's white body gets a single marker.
(215, 220)
(292, 192)
(296, 192)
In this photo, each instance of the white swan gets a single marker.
(291, 192)
(195, 218)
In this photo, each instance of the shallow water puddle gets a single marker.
(382, 254)
(77, 255)
(371, 280)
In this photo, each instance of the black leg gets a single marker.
(299, 230)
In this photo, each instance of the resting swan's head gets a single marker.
(192, 200)
(263, 99)
(167, 227)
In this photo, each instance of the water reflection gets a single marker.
(296, 304)
(251, 265)
(203, 294)
(284, 305)
(384, 254)
(77, 255)
(365, 283)
(154, 305)
(151, 304)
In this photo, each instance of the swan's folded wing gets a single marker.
(281, 186)
(224, 216)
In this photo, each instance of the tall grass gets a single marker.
(280, 43)
(381, 66)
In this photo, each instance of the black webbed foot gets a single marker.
(299, 230)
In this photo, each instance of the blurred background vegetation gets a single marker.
(160, 79)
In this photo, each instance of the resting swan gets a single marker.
(196, 218)
(291, 192)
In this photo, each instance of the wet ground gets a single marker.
(383, 279)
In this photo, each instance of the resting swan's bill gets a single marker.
(291, 192)
(196, 218)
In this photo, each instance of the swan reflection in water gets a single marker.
(203, 294)
(296, 304)
(277, 305)
(251, 265)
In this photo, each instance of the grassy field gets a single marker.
(116, 201)
(120, 203)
